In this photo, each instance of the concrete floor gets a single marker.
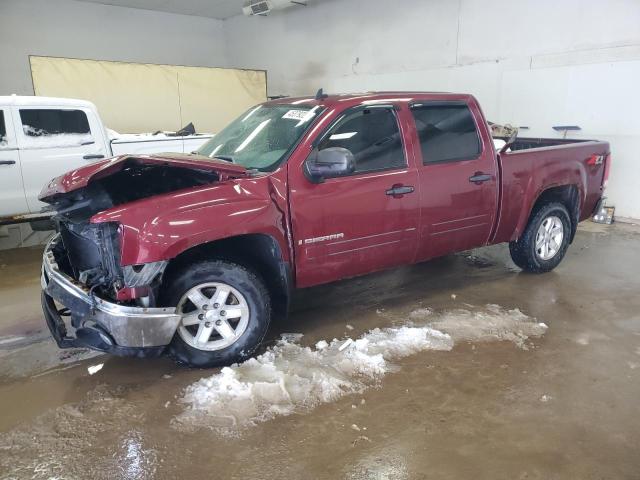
(567, 407)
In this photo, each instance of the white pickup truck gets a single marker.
(42, 138)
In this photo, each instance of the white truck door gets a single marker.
(12, 198)
(53, 141)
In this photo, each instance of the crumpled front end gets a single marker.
(70, 304)
(86, 289)
(89, 287)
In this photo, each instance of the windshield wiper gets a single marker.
(226, 158)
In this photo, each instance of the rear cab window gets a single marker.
(447, 132)
(51, 127)
(372, 135)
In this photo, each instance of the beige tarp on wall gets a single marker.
(140, 97)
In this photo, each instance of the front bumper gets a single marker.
(98, 323)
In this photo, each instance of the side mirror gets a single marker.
(328, 163)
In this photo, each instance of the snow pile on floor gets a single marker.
(494, 323)
(290, 377)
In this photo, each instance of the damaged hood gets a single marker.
(81, 177)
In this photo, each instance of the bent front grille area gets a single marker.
(90, 252)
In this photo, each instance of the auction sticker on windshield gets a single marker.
(296, 114)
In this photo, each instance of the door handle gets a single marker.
(93, 156)
(480, 177)
(398, 190)
(7, 162)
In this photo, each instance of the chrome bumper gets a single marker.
(128, 327)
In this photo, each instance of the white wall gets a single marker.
(66, 28)
(536, 63)
(530, 62)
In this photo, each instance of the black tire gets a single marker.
(248, 283)
(523, 251)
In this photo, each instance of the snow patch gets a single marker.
(291, 337)
(290, 378)
(493, 323)
(420, 313)
(38, 138)
(93, 369)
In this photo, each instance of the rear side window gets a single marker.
(446, 133)
(372, 135)
(55, 128)
(3, 130)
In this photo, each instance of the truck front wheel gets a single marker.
(225, 309)
(544, 241)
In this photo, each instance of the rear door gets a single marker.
(12, 199)
(54, 141)
(457, 177)
(353, 225)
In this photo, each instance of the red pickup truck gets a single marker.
(193, 254)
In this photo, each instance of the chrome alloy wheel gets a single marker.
(214, 316)
(549, 238)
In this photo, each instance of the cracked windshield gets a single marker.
(260, 138)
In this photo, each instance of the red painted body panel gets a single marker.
(455, 213)
(526, 174)
(374, 230)
(81, 177)
(446, 213)
(162, 227)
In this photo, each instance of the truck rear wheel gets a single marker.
(225, 310)
(544, 241)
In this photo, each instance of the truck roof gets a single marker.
(369, 97)
(35, 101)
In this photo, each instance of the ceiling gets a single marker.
(219, 9)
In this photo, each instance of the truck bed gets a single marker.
(536, 165)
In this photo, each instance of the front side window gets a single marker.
(3, 130)
(446, 132)
(372, 136)
(261, 138)
(55, 127)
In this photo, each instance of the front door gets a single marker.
(363, 222)
(12, 199)
(457, 178)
